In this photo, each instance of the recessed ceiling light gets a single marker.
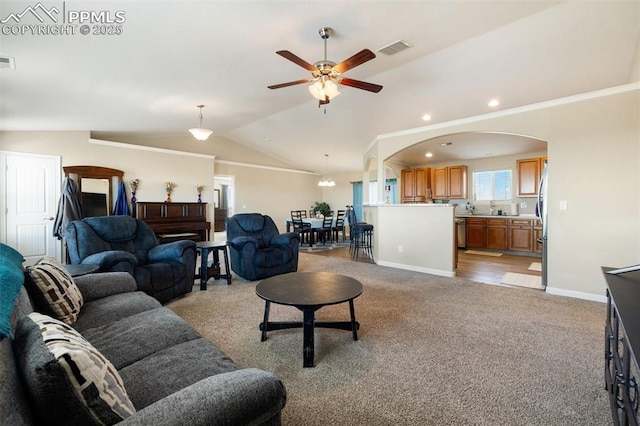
(426, 117)
(446, 143)
(494, 103)
(428, 154)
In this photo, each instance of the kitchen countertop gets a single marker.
(494, 216)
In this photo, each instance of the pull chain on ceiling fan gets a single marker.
(326, 74)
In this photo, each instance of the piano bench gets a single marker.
(168, 238)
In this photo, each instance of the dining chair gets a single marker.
(339, 225)
(326, 231)
(301, 228)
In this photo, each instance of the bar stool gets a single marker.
(361, 234)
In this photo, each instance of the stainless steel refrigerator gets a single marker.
(541, 212)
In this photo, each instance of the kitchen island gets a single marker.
(415, 237)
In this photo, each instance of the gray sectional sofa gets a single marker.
(171, 375)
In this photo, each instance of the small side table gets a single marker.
(213, 246)
(80, 269)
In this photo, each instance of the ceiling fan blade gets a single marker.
(296, 60)
(358, 59)
(360, 84)
(291, 83)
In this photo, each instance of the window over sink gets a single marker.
(492, 185)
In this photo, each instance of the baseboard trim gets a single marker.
(438, 272)
(576, 294)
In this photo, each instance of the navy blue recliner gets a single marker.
(257, 249)
(125, 244)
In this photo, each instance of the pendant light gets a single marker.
(326, 181)
(200, 133)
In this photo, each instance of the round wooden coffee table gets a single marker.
(309, 291)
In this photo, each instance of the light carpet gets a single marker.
(522, 280)
(484, 253)
(535, 266)
(319, 247)
(431, 351)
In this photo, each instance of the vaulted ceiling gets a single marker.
(173, 55)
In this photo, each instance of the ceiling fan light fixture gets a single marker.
(200, 133)
(324, 88)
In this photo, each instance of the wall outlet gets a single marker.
(563, 205)
(523, 205)
(400, 249)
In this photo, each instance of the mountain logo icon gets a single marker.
(38, 11)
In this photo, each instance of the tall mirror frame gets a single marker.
(113, 176)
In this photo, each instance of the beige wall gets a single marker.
(223, 148)
(268, 190)
(426, 245)
(594, 165)
(341, 195)
(152, 168)
(271, 191)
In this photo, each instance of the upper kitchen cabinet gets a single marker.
(449, 182)
(529, 171)
(415, 185)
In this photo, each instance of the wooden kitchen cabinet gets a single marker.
(476, 232)
(497, 234)
(537, 233)
(520, 235)
(439, 182)
(449, 182)
(415, 185)
(529, 172)
(457, 176)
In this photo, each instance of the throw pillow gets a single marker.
(58, 289)
(12, 279)
(70, 382)
(11, 254)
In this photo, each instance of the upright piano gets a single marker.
(175, 221)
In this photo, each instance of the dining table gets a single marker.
(316, 225)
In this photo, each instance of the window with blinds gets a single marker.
(493, 185)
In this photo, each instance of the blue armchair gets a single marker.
(257, 249)
(125, 244)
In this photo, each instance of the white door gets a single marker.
(31, 188)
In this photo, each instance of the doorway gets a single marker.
(31, 184)
(223, 202)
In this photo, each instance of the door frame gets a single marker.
(3, 199)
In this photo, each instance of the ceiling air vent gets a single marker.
(7, 62)
(395, 47)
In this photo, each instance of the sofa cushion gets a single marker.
(112, 308)
(142, 334)
(167, 371)
(54, 283)
(68, 380)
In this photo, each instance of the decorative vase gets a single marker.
(168, 200)
(133, 197)
(199, 198)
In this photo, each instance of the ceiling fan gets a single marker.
(326, 75)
